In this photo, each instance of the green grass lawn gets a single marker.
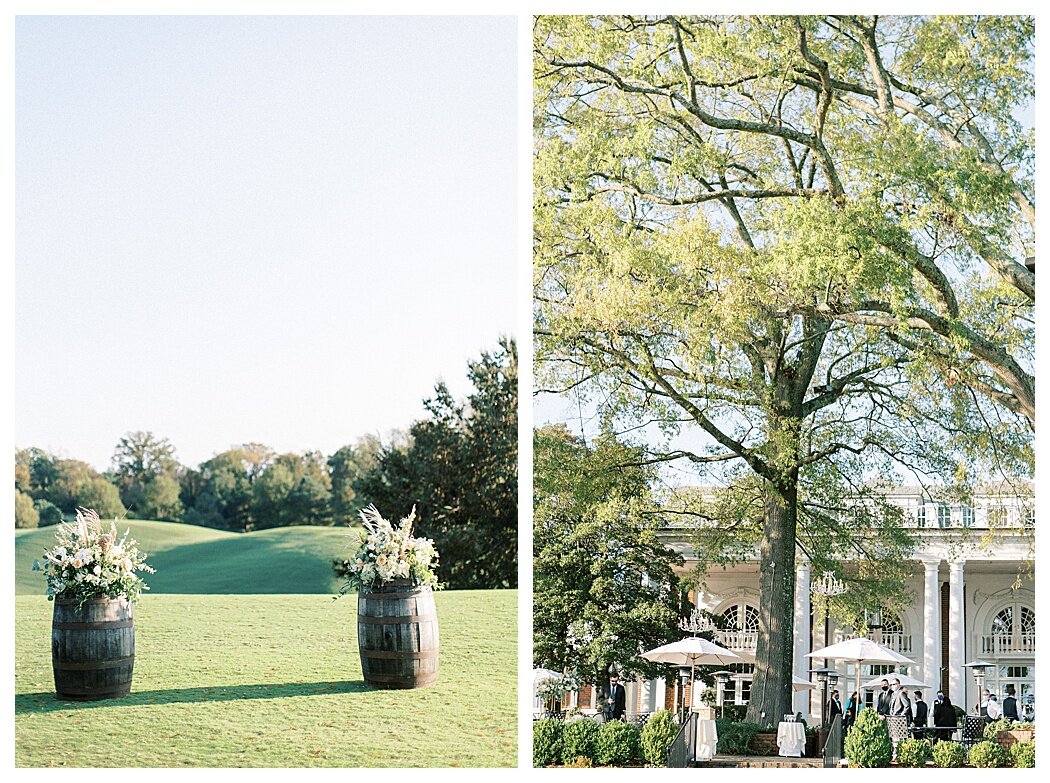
(270, 681)
(191, 559)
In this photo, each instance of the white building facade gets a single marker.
(972, 585)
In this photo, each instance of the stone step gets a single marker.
(762, 762)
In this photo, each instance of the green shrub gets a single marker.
(991, 730)
(987, 753)
(657, 735)
(734, 712)
(617, 743)
(547, 741)
(735, 737)
(868, 742)
(581, 762)
(1022, 754)
(578, 739)
(50, 514)
(913, 753)
(26, 514)
(949, 754)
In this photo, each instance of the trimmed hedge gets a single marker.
(1022, 754)
(949, 754)
(657, 735)
(987, 753)
(735, 737)
(578, 741)
(547, 742)
(868, 742)
(913, 753)
(617, 743)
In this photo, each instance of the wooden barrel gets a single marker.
(397, 635)
(92, 649)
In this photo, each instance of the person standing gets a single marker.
(850, 716)
(945, 720)
(615, 699)
(1010, 704)
(921, 715)
(834, 706)
(992, 709)
(882, 706)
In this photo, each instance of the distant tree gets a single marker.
(68, 483)
(154, 498)
(25, 514)
(50, 514)
(222, 488)
(294, 490)
(346, 468)
(460, 470)
(99, 494)
(604, 585)
(34, 472)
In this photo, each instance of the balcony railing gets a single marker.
(738, 640)
(1008, 644)
(899, 642)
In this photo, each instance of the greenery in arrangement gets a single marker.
(992, 729)
(91, 562)
(1022, 754)
(987, 753)
(617, 743)
(596, 546)
(547, 741)
(868, 741)
(735, 737)
(913, 753)
(798, 242)
(949, 754)
(657, 735)
(579, 740)
(387, 553)
(276, 684)
(553, 689)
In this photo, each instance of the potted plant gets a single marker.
(92, 578)
(397, 626)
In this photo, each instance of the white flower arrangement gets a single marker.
(89, 562)
(386, 553)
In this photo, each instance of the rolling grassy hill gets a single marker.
(192, 559)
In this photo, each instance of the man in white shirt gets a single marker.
(994, 710)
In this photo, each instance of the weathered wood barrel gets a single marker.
(397, 635)
(92, 648)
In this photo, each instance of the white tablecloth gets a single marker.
(791, 739)
(706, 740)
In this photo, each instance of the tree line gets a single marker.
(458, 466)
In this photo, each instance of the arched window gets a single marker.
(741, 617)
(1012, 630)
(891, 624)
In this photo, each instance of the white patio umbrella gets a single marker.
(539, 675)
(798, 684)
(692, 651)
(910, 682)
(860, 651)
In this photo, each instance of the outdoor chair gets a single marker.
(972, 729)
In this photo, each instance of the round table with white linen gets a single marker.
(706, 740)
(791, 738)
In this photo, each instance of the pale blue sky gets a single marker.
(275, 229)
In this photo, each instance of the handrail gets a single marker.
(679, 754)
(833, 746)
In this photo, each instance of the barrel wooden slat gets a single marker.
(397, 633)
(92, 649)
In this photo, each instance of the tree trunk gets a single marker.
(771, 689)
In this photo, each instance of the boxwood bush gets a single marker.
(987, 753)
(991, 730)
(617, 743)
(913, 753)
(578, 740)
(547, 741)
(868, 742)
(657, 735)
(735, 737)
(949, 754)
(1022, 754)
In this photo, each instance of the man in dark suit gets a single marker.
(615, 699)
(1010, 704)
(882, 706)
(834, 707)
(922, 712)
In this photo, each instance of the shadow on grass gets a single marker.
(47, 701)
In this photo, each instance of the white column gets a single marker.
(800, 701)
(931, 627)
(956, 635)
